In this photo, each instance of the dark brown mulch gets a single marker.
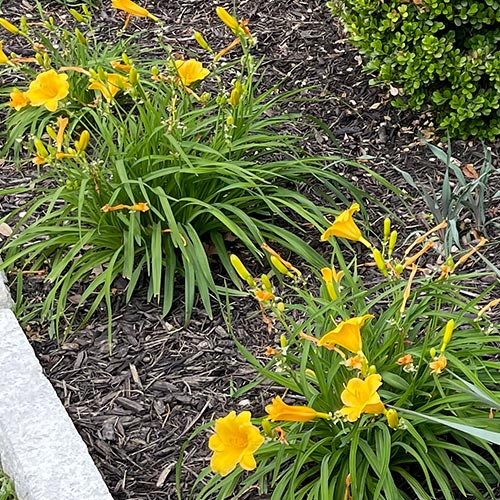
(136, 407)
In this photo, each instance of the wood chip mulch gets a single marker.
(135, 408)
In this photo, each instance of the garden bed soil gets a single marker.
(137, 406)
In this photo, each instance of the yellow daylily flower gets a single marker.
(361, 396)
(115, 82)
(330, 277)
(48, 89)
(190, 71)
(132, 9)
(345, 227)
(346, 334)
(279, 410)
(438, 365)
(18, 100)
(235, 441)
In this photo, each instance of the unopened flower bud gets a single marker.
(266, 427)
(80, 36)
(372, 369)
(448, 332)
(266, 283)
(230, 21)
(379, 260)
(392, 418)
(201, 41)
(40, 148)
(387, 229)
(76, 15)
(133, 76)
(283, 341)
(9, 26)
(51, 132)
(83, 141)
(392, 242)
(280, 266)
(280, 306)
(230, 120)
(432, 352)
(242, 271)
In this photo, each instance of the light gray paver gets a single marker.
(40, 448)
(5, 298)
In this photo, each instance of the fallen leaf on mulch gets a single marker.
(469, 171)
(5, 229)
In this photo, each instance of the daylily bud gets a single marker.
(23, 25)
(432, 352)
(387, 228)
(280, 306)
(235, 94)
(86, 10)
(379, 260)
(155, 71)
(126, 59)
(83, 142)
(242, 271)
(399, 268)
(76, 15)
(448, 332)
(392, 242)
(81, 38)
(51, 132)
(230, 21)
(279, 266)
(133, 76)
(310, 373)
(266, 283)
(283, 341)
(40, 147)
(201, 41)
(266, 427)
(39, 58)
(9, 26)
(392, 418)
(205, 97)
(230, 120)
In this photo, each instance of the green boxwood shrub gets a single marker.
(442, 54)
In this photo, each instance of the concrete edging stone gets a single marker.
(40, 448)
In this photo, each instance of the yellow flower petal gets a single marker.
(361, 396)
(132, 8)
(235, 441)
(48, 89)
(347, 334)
(18, 100)
(190, 71)
(345, 227)
(279, 410)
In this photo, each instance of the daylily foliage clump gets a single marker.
(388, 376)
(154, 164)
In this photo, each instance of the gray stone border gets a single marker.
(40, 448)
